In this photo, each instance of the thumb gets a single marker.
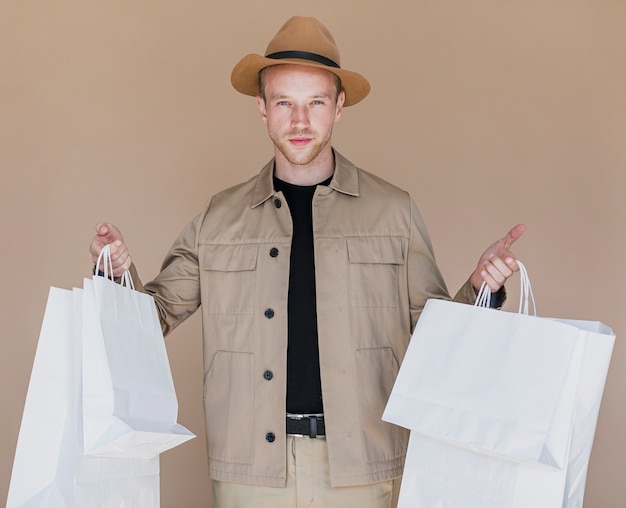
(102, 228)
(513, 235)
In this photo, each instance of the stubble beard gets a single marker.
(302, 156)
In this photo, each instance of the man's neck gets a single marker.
(312, 173)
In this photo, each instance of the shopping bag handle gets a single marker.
(107, 267)
(526, 293)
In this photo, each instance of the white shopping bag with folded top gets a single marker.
(130, 407)
(49, 468)
(502, 406)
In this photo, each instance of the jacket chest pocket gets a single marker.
(229, 278)
(374, 268)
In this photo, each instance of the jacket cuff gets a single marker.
(498, 298)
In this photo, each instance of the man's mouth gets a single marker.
(299, 141)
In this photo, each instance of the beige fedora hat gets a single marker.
(301, 41)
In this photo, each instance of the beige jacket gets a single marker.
(375, 270)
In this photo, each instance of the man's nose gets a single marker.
(300, 117)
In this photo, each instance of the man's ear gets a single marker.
(341, 98)
(260, 102)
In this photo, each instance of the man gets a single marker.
(311, 277)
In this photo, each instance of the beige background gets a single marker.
(489, 112)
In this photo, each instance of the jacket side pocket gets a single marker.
(229, 407)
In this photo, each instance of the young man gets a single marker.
(311, 277)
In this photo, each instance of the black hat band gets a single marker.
(304, 55)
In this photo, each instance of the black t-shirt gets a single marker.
(304, 387)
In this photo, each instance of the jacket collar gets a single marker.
(345, 180)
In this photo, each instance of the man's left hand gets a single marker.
(497, 263)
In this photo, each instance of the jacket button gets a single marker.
(270, 437)
(269, 313)
(273, 252)
(268, 375)
(277, 203)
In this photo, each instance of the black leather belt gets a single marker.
(302, 425)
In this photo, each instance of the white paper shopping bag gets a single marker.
(513, 395)
(440, 474)
(487, 378)
(45, 446)
(107, 481)
(130, 406)
(49, 468)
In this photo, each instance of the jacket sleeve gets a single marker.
(424, 278)
(176, 289)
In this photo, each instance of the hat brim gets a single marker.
(245, 76)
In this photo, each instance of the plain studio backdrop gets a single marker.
(489, 112)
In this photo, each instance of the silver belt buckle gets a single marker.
(313, 424)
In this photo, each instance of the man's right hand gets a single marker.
(108, 234)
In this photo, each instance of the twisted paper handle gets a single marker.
(107, 267)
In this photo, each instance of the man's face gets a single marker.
(300, 108)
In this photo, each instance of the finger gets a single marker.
(120, 258)
(95, 247)
(513, 235)
(118, 254)
(499, 269)
(493, 284)
(116, 247)
(102, 228)
(121, 266)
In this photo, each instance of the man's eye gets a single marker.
(283, 103)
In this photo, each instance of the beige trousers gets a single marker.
(308, 485)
